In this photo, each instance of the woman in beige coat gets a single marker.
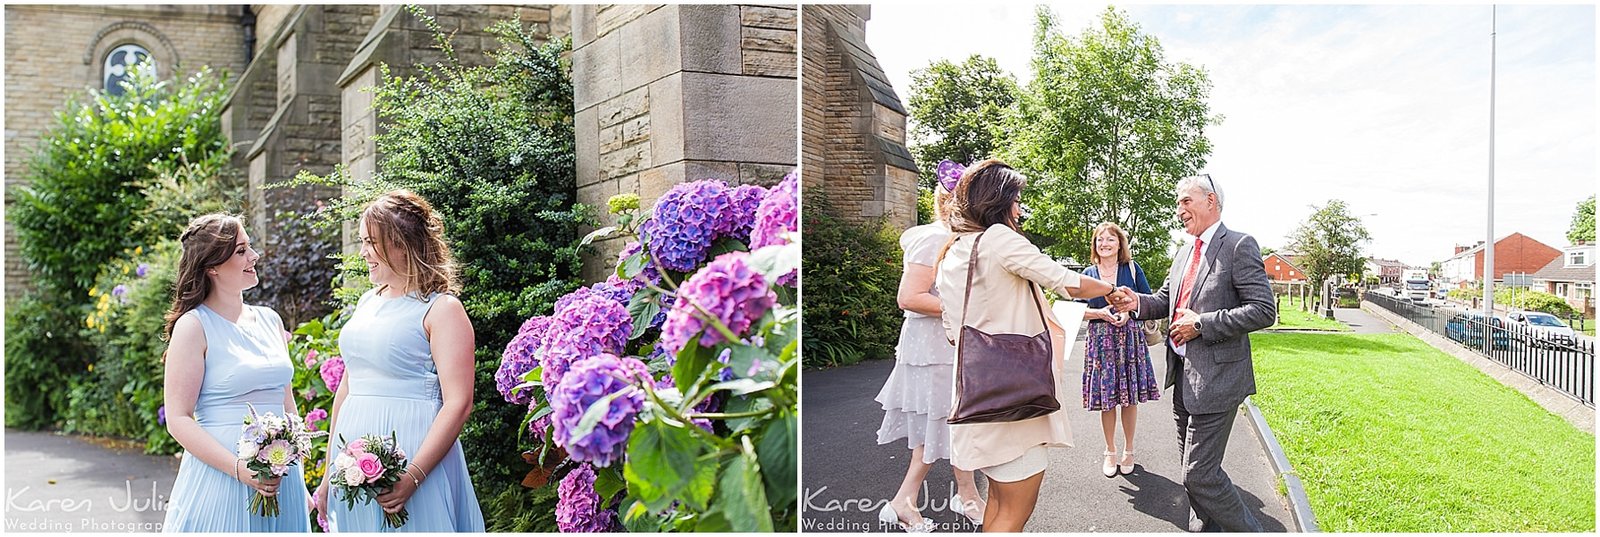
(1011, 454)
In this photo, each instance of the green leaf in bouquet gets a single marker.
(776, 260)
(312, 329)
(592, 415)
(741, 493)
(597, 234)
(752, 362)
(634, 264)
(745, 405)
(777, 452)
(692, 363)
(607, 483)
(742, 386)
(662, 463)
(783, 329)
(711, 522)
(725, 245)
(643, 307)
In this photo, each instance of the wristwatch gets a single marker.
(1197, 327)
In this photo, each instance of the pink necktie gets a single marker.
(1187, 287)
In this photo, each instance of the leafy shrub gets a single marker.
(87, 201)
(120, 393)
(314, 349)
(1528, 299)
(851, 274)
(296, 268)
(491, 148)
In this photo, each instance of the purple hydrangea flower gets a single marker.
(589, 381)
(685, 222)
(314, 416)
(729, 290)
(578, 505)
(585, 324)
(617, 289)
(538, 426)
(519, 358)
(647, 276)
(777, 215)
(143, 270)
(741, 216)
(332, 372)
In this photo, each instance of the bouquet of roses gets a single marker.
(269, 444)
(366, 468)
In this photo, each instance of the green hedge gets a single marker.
(850, 276)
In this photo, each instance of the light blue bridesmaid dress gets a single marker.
(394, 387)
(246, 363)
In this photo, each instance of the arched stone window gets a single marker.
(118, 64)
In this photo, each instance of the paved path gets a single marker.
(847, 476)
(59, 483)
(1363, 322)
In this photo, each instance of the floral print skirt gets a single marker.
(1116, 367)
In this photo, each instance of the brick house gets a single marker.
(1515, 253)
(1387, 271)
(1282, 268)
(1571, 276)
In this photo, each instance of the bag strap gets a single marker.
(972, 267)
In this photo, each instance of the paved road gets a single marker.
(61, 483)
(847, 476)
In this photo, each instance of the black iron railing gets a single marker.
(1563, 362)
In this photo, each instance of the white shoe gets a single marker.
(961, 505)
(1126, 469)
(1108, 467)
(888, 516)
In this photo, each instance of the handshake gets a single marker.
(1123, 299)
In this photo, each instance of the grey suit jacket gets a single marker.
(1233, 296)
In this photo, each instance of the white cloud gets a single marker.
(1384, 107)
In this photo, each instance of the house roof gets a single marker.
(1292, 260)
(1558, 271)
(1479, 248)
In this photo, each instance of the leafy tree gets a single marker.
(1582, 222)
(1330, 242)
(958, 111)
(1104, 131)
(92, 188)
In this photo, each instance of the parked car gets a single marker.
(1467, 328)
(1546, 330)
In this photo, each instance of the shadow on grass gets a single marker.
(1164, 499)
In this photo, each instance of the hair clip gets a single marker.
(949, 173)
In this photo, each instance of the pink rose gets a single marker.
(358, 446)
(369, 465)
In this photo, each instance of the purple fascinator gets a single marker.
(950, 172)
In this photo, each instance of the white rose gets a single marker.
(248, 449)
(353, 476)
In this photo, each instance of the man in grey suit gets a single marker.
(1217, 293)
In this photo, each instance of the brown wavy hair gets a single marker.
(984, 196)
(1124, 255)
(208, 242)
(404, 227)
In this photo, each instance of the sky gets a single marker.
(1383, 107)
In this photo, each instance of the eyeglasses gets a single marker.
(1213, 185)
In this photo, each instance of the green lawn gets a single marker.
(1291, 317)
(1390, 435)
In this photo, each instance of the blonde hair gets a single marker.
(1124, 255)
(404, 226)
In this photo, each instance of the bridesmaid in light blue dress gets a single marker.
(409, 367)
(223, 355)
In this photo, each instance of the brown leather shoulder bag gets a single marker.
(1002, 377)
